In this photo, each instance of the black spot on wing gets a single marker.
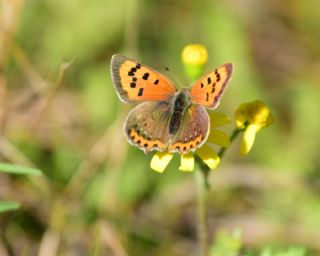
(133, 85)
(140, 92)
(217, 75)
(145, 76)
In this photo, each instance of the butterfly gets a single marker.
(166, 118)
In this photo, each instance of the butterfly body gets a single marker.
(181, 102)
(167, 118)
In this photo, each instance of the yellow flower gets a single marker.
(194, 57)
(207, 153)
(194, 54)
(252, 117)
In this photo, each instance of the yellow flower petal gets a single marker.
(255, 112)
(209, 156)
(160, 161)
(248, 138)
(187, 163)
(219, 137)
(218, 119)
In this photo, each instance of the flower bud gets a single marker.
(194, 57)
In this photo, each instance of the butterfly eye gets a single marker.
(178, 103)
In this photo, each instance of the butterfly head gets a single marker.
(181, 99)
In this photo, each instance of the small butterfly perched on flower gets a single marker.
(166, 118)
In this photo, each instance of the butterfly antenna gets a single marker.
(175, 77)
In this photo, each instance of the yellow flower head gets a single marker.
(194, 57)
(195, 54)
(207, 153)
(252, 117)
(255, 112)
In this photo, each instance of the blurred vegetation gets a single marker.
(59, 113)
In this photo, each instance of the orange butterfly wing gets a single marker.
(208, 90)
(136, 82)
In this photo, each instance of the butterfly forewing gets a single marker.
(146, 126)
(136, 82)
(193, 131)
(208, 90)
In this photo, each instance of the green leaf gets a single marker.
(17, 169)
(8, 206)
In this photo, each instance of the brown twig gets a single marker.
(51, 94)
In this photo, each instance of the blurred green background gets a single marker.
(98, 196)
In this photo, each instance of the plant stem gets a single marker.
(233, 136)
(200, 179)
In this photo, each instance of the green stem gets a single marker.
(233, 136)
(204, 168)
(201, 180)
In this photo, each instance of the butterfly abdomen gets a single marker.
(180, 104)
(175, 122)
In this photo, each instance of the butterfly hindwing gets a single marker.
(146, 126)
(193, 131)
(208, 90)
(136, 82)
